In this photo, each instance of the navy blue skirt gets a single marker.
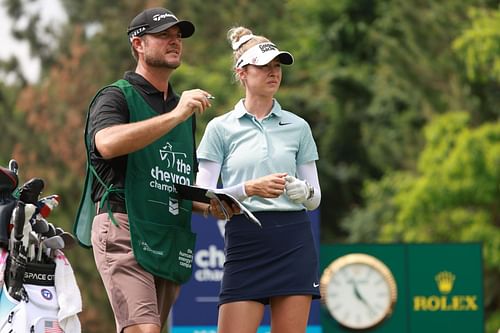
(276, 260)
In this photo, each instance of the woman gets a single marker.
(266, 158)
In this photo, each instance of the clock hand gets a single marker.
(356, 291)
(358, 295)
(361, 298)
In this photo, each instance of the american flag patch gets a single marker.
(52, 326)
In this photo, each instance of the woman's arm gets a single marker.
(305, 189)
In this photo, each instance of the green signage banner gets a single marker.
(397, 288)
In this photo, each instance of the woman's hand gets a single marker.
(270, 186)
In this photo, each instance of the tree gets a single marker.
(479, 45)
(478, 49)
(368, 76)
(454, 195)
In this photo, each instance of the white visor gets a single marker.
(261, 54)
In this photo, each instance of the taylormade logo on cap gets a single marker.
(158, 17)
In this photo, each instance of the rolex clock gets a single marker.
(359, 291)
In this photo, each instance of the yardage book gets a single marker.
(200, 194)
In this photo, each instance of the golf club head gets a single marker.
(33, 238)
(59, 230)
(30, 191)
(48, 244)
(69, 240)
(51, 232)
(40, 226)
(54, 243)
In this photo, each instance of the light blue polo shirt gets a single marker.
(247, 148)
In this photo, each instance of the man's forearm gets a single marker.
(124, 139)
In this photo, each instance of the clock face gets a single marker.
(359, 290)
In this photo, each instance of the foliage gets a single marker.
(368, 77)
(479, 45)
(478, 48)
(454, 196)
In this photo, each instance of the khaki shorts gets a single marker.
(136, 296)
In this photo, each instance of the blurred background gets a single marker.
(403, 98)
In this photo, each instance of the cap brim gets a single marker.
(186, 27)
(284, 57)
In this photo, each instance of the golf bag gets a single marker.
(37, 311)
(31, 300)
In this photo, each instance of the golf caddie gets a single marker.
(139, 137)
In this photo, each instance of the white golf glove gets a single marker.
(299, 191)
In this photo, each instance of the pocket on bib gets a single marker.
(164, 250)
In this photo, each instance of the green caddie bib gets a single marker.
(160, 224)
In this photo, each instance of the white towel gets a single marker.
(3, 262)
(68, 295)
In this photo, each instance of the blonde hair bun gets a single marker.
(238, 36)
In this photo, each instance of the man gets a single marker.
(140, 142)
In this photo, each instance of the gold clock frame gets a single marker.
(366, 259)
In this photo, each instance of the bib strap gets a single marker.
(105, 197)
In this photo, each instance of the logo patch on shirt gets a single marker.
(173, 206)
(283, 124)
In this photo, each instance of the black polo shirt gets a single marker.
(110, 108)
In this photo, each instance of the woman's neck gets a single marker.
(259, 106)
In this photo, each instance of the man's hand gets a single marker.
(297, 190)
(191, 101)
(224, 212)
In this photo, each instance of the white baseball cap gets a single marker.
(261, 54)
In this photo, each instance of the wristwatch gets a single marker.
(359, 291)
